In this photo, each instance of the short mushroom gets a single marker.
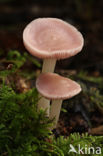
(51, 39)
(56, 88)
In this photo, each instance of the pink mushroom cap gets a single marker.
(54, 86)
(52, 38)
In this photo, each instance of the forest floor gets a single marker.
(83, 113)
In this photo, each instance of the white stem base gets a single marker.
(48, 65)
(44, 104)
(55, 111)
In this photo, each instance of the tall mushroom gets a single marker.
(51, 39)
(56, 88)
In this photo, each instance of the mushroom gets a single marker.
(51, 39)
(56, 88)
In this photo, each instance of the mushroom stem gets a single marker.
(55, 111)
(48, 65)
(44, 104)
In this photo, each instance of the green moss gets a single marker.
(22, 128)
(63, 144)
(84, 76)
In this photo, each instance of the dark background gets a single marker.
(86, 15)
